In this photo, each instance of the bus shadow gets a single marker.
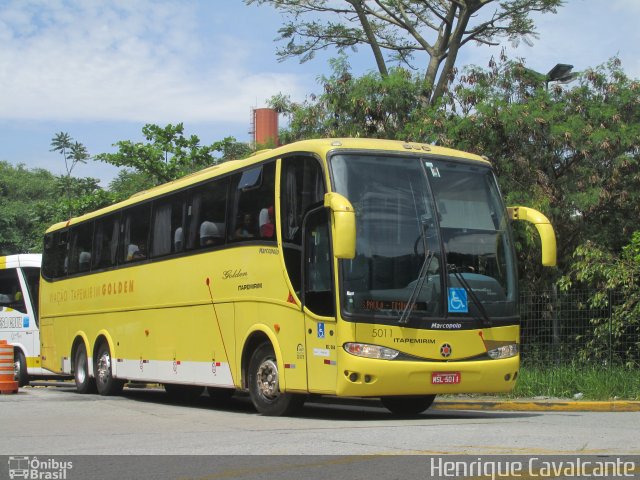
(319, 408)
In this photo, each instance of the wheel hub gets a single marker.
(268, 379)
(104, 367)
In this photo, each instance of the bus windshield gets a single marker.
(432, 242)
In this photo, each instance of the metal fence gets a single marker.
(563, 328)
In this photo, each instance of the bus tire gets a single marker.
(20, 367)
(264, 385)
(84, 383)
(405, 406)
(105, 383)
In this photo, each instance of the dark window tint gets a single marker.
(301, 186)
(252, 209)
(55, 259)
(318, 291)
(135, 233)
(207, 215)
(81, 246)
(10, 292)
(32, 276)
(105, 241)
(167, 234)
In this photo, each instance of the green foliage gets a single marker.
(129, 182)
(609, 272)
(372, 106)
(72, 153)
(570, 152)
(168, 154)
(565, 381)
(27, 206)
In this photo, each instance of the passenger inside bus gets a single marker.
(265, 220)
(178, 240)
(137, 252)
(246, 229)
(84, 261)
(211, 233)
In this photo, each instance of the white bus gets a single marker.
(19, 323)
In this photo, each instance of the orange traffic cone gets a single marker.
(8, 383)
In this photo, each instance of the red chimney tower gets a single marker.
(265, 127)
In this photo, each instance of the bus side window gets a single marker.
(301, 186)
(253, 194)
(11, 296)
(166, 232)
(135, 232)
(32, 275)
(56, 254)
(105, 242)
(81, 244)
(318, 291)
(207, 215)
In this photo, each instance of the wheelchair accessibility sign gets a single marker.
(458, 301)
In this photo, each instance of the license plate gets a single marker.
(445, 378)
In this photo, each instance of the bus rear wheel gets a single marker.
(84, 383)
(105, 383)
(407, 406)
(264, 385)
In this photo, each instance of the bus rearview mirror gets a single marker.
(545, 230)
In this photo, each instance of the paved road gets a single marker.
(58, 421)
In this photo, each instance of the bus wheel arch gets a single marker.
(106, 383)
(263, 380)
(251, 344)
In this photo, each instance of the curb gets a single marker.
(539, 405)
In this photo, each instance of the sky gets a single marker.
(100, 70)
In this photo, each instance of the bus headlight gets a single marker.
(505, 351)
(370, 351)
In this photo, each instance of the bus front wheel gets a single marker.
(20, 367)
(264, 385)
(84, 383)
(105, 383)
(407, 406)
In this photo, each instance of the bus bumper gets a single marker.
(363, 377)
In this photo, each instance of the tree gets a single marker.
(372, 105)
(405, 31)
(28, 205)
(168, 154)
(571, 152)
(610, 272)
(73, 153)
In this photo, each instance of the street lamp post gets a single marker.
(561, 73)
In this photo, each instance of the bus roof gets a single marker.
(320, 147)
(20, 260)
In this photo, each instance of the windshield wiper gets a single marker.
(486, 320)
(422, 276)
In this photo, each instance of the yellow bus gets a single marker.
(347, 267)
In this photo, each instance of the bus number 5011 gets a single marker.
(382, 333)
